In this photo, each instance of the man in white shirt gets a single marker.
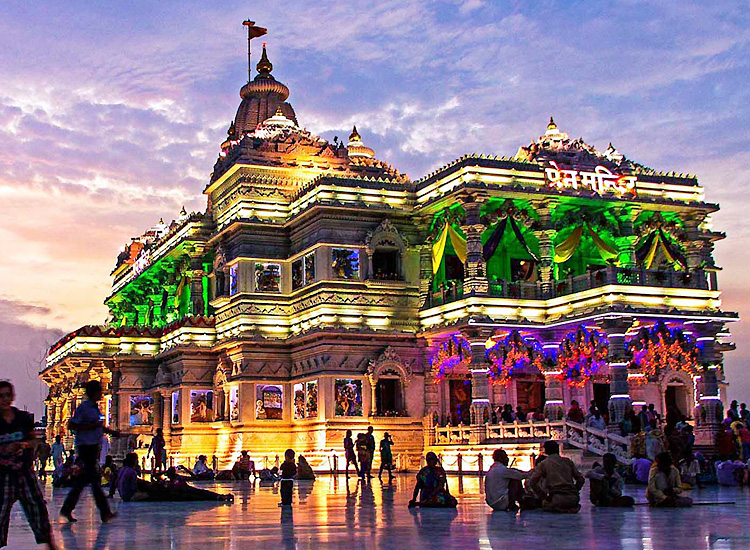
(502, 485)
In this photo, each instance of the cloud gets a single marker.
(23, 346)
(111, 118)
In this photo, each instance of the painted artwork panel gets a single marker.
(267, 277)
(201, 405)
(310, 268)
(299, 401)
(234, 403)
(311, 410)
(175, 407)
(298, 274)
(269, 402)
(345, 263)
(141, 410)
(348, 394)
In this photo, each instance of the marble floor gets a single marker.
(334, 513)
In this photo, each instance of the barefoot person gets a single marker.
(17, 479)
(432, 486)
(561, 481)
(88, 427)
(502, 485)
(351, 456)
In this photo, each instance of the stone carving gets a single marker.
(386, 234)
(389, 362)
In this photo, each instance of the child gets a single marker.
(288, 471)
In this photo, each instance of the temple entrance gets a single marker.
(601, 397)
(388, 398)
(530, 395)
(676, 397)
(460, 401)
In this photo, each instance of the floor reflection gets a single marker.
(335, 512)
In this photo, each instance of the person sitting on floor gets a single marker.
(65, 475)
(731, 473)
(606, 485)
(175, 488)
(304, 470)
(690, 468)
(641, 468)
(502, 485)
(244, 467)
(562, 481)
(664, 485)
(269, 476)
(128, 482)
(432, 486)
(201, 471)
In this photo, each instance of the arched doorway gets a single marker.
(677, 390)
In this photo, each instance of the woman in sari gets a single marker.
(432, 486)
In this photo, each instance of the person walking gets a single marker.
(88, 427)
(349, 454)
(370, 440)
(386, 456)
(157, 446)
(17, 479)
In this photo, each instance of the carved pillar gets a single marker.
(425, 272)
(197, 304)
(166, 415)
(480, 384)
(546, 236)
(626, 243)
(475, 269)
(709, 412)
(554, 408)
(431, 408)
(619, 400)
(158, 411)
(49, 431)
(373, 404)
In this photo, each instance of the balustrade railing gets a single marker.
(543, 429)
(595, 441)
(609, 275)
(452, 435)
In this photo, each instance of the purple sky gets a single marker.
(111, 117)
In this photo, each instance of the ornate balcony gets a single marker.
(609, 275)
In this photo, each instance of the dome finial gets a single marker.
(551, 125)
(354, 136)
(264, 66)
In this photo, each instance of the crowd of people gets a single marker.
(663, 460)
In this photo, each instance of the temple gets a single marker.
(323, 290)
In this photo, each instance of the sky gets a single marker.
(112, 113)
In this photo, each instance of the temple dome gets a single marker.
(356, 148)
(262, 97)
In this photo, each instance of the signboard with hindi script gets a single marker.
(602, 181)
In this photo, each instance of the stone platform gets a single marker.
(331, 513)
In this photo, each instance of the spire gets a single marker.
(551, 125)
(354, 136)
(264, 66)
(252, 32)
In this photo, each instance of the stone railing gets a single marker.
(543, 429)
(595, 278)
(452, 435)
(597, 442)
